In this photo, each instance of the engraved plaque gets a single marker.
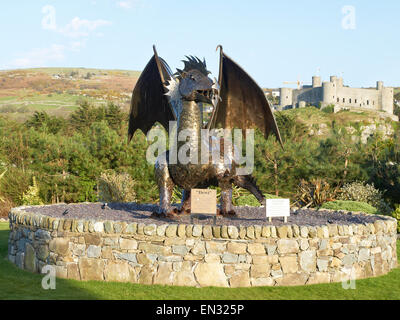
(203, 201)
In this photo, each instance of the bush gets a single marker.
(314, 193)
(361, 192)
(329, 109)
(250, 200)
(396, 214)
(349, 206)
(116, 187)
(31, 197)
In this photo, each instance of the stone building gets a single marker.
(335, 93)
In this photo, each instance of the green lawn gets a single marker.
(18, 284)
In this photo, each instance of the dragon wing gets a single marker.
(149, 103)
(243, 103)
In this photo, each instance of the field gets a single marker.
(17, 284)
(59, 90)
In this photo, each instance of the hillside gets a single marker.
(59, 90)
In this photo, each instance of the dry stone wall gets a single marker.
(201, 255)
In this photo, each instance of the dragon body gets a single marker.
(160, 96)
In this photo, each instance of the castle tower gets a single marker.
(286, 97)
(340, 82)
(328, 93)
(387, 95)
(379, 85)
(316, 81)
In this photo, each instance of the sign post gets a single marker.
(203, 202)
(277, 208)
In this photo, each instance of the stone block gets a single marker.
(30, 258)
(211, 274)
(233, 232)
(212, 257)
(91, 269)
(260, 270)
(322, 264)
(229, 258)
(319, 277)
(236, 247)
(286, 246)
(119, 272)
(180, 249)
(150, 230)
(128, 244)
(59, 246)
(146, 275)
(199, 248)
(308, 261)
(292, 279)
(93, 239)
(263, 282)
(171, 230)
(240, 279)
(289, 264)
(73, 271)
(256, 248)
(207, 232)
(164, 275)
(215, 247)
(184, 278)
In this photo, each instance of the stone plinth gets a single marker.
(201, 255)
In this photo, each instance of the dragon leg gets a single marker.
(247, 182)
(226, 199)
(165, 186)
(185, 209)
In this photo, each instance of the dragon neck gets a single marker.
(191, 117)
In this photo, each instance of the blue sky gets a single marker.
(274, 41)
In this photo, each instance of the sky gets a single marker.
(274, 41)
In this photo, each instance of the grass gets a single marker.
(18, 284)
(349, 206)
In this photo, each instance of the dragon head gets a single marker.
(193, 83)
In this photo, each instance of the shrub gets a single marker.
(329, 109)
(361, 192)
(31, 196)
(349, 206)
(396, 214)
(314, 193)
(248, 199)
(116, 187)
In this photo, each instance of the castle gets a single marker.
(335, 93)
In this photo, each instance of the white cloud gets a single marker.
(82, 28)
(128, 4)
(39, 57)
(76, 46)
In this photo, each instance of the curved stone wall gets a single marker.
(201, 255)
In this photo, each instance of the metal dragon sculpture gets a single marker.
(238, 102)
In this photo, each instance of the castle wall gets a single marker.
(334, 93)
(309, 96)
(356, 97)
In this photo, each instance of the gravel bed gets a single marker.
(246, 216)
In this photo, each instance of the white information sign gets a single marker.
(278, 208)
